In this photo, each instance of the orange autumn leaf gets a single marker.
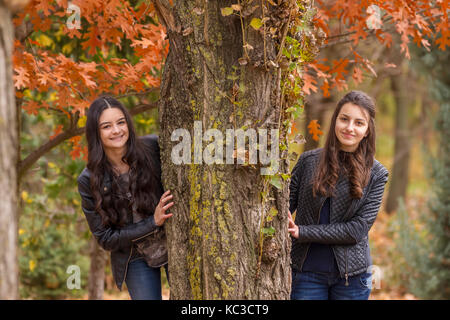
(44, 6)
(31, 107)
(56, 132)
(314, 129)
(444, 40)
(308, 85)
(294, 129)
(144, 43)
(357, 75)
(339, 67)
(21, 79)
(77, 149)
(325, 88)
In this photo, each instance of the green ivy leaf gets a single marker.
(290, 109)
(226, 11)
(273, 211)
(276, 181)
(268, 232)
(256, 23)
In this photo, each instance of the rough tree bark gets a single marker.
(9, 281)
(214, 237)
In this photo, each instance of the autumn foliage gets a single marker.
(119, 48)
(352, 22)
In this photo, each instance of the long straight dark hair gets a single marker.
(144, 183)
(356, 165)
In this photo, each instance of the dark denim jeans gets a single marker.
(323, 286)
(144, 282)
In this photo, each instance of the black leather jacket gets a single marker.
(350, 219)
(117, 240)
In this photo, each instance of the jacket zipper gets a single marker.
(346, 252)
(346, 269)
(126, 268)
(307, 250)
(334, 253)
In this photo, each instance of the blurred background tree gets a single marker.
(425, 247)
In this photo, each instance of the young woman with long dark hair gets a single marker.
(336, 192)
(123, 199)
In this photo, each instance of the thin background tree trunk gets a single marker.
(8, 160)
(315, 109)
(403, 99)
(96, 281)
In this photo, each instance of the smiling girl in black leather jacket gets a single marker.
(122, 197)
(336, 192)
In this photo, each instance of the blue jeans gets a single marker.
(330, 286)
(144, 282)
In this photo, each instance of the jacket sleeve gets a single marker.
(294, 184)
(110, 238)
(353, 230)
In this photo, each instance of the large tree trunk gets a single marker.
(215, 235)
(8, 162)
(402, 149)
(96, 281)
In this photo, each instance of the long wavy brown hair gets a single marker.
(144, 183)
(355, 165)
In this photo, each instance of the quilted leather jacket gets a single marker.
(119, 241)
(350, 219)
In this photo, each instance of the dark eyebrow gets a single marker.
(343, 114)
(106, 122)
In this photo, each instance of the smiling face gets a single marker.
(352, 124)
(113, 129)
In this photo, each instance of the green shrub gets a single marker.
(47, 247)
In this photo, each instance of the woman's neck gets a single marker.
(115, 159)
(348, 149)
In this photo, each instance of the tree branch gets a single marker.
(165, 14)
(71, 132)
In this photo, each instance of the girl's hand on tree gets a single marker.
(160, 211)
(292, 228)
